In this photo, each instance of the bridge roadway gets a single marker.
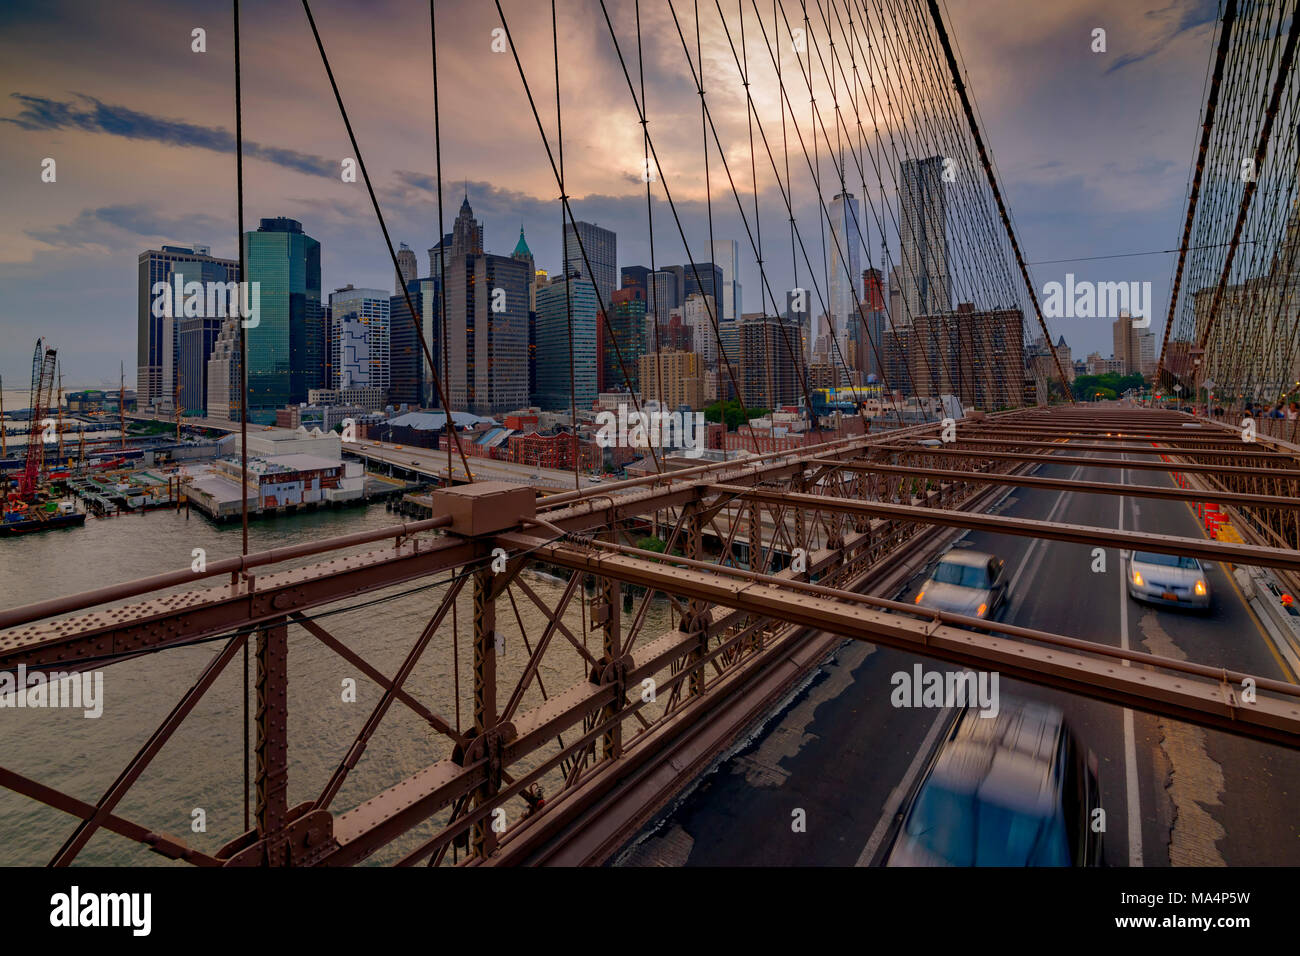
(1174, 794)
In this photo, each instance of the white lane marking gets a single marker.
(1130, 745)
(895, 798)
(1029, 552)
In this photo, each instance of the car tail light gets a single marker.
(919, 596)
(981, 610)
(1199, 588)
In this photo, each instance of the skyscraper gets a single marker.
(156, 265)
(411, 381)
(224, 400)
(435, 258)
(923, 238)
(555, 305)
(286, 349)
(601, 247)
(769, 373)
(977, 356)
(199, 330)
(703, 278)
(1135, 347)
(726, 256)
(406, 267)
(195, 342)
(846, 258)
(682, 375)
(638, 276)
(359, 337)
(662, 296)
(699, 312)
(525, 255)
(487, 323)
(627, 320)
(869, 338)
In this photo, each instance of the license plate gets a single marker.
(1169, 596)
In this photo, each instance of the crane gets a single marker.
(43, 365)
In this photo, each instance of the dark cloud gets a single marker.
(95, 116)
(1181, 17)
(108, 225)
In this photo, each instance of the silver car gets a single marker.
(1169, 579)
(966, 582)
(1018, 789)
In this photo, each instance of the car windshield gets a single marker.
(966, 831)
(1166, 560)
(965, 575)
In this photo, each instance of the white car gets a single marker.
(1169, 579)
(966, 582)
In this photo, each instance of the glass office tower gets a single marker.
(286, 349)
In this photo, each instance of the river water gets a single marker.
(199, 769)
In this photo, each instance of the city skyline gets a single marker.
(77, 227)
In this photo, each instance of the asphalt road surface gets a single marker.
(841, 759)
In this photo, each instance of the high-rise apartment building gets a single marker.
(699, 312)
(682, 375)
(770, 374)
(977, 356)
(1134, 346)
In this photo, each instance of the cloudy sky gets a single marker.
(1093, 149)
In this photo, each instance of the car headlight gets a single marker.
(1199, 588)
(981, 610)
(1137, 577)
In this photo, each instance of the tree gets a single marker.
(1085, 387)
(735, 414)
(651, 543)
(658, 545)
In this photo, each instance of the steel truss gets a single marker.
(768, 563)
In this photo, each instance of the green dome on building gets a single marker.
(521, 247)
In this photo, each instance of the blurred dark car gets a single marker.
(1015, 789)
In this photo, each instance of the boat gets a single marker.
(21, 519)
